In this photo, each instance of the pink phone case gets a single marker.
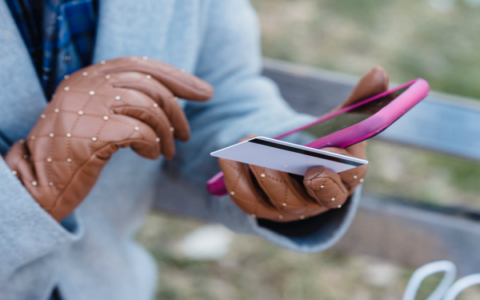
(363, 130)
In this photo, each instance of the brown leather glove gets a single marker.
(129, 101)
(281, 197)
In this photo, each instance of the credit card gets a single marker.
(286, 157)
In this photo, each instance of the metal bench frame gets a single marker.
(405, 232)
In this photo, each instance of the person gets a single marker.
(82, 79)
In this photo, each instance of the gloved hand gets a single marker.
(129, 101)
(278, 196)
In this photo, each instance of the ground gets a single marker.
(435, 39)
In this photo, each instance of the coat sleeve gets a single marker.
(27, 232)
(244, 103)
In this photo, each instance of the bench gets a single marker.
(406, 232)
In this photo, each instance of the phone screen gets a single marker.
(349, 118)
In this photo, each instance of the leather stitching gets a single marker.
(80, 169)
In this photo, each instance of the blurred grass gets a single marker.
(434, 39)
(422, 176)
(255, 269)
(409, 38)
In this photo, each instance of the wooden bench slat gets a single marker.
(439, 126)
(412, 236)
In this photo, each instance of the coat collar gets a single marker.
(121, 31)
(21, 96)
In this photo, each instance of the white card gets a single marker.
(286, 157)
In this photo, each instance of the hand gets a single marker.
(281, 197)
(129, 101)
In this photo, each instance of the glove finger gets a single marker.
(288, 197)
(157, 122)
(182, 84)
(139, 106)
(124, 131)
(353, 177)
(162, 97)
(373, 83)
(243, 191)
(25, 167)
(17, 159)
(278, 189)
(358, 150)
(325, 186)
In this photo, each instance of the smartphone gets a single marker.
(351, 124)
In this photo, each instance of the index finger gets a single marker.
(181, 83)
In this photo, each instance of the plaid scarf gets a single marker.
(59, 35)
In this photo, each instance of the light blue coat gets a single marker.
(92, 255)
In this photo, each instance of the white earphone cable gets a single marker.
(421, 273)
(460, 285)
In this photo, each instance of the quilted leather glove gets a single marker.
(129, 101)
(281, 197)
